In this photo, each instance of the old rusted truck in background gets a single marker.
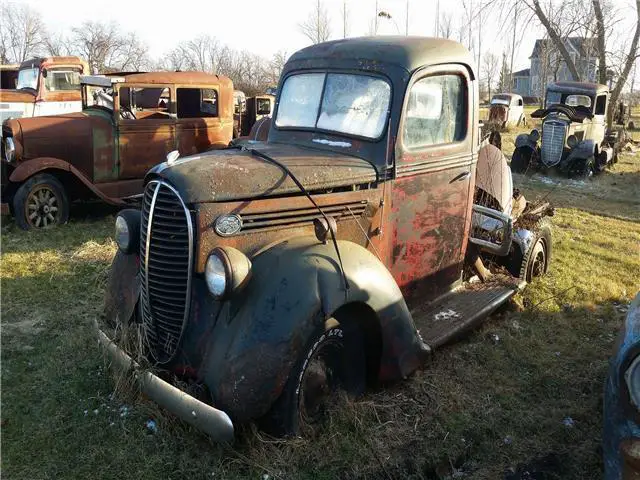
(44, 86)
(249, 110)
(127, 125)
(575, 139)
(9, 76)
(338, 254)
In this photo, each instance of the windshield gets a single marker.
(59, 80)
(28, 78)
(344, 103)
(500, 100)
(570, 99)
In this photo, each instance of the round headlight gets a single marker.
(9, 149)
(534, 135)
(216, 276)
(123, 236)
(128, 230)
(227, 270)
(572, 141)
(632, 378)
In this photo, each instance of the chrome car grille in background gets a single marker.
(166, 259)
(553, 138)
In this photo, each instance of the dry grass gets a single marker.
(480, 409)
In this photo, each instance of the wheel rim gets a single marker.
(42, 207)
(318, 384)
(538, 260)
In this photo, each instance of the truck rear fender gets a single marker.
(295, 288)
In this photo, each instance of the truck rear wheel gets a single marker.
(40, 202)
(333, 360)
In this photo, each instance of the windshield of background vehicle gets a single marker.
(344, 103)
(28, 78)
(62, 80)
(570, 99)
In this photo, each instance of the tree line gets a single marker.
(107, 48)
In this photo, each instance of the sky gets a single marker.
(265, 27)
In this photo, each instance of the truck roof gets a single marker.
(71, 60)
(578, 87)
(184, 78)
(409, 53)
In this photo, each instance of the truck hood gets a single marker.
(60, 136)
(234, 174)
(17, 96)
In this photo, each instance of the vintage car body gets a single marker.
(574, 136)
(239, 111)
(105, 150)
(507, 110)
(45, 86)
(9, 77)
(333, 253)
(621, 435)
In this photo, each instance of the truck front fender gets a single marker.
(28, 168)
(524, 140)
(296, 286)
(583, 150)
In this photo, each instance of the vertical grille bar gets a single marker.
(166, 238)
(553, 138)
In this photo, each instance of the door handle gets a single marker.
(461, 177)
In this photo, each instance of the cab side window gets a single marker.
(143, 103)
(601, 104)
(197, 102)
(435, 112)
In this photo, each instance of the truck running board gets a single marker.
(447, 317)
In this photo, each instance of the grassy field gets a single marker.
(524, 392)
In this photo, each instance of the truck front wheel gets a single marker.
(40, 202)
(334, 360)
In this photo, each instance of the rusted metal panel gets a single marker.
(353, 227)
(232, 174)
(143, 143)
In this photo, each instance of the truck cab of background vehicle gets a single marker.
(8, 77)
(274, 272)
(127, 124)
(45, 86)
(574, 135)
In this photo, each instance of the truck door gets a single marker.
(431, 197)
(146, 129)
(200, 125)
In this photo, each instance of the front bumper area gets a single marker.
(206, 418)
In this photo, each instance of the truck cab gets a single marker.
(44, 86)
(338, 253)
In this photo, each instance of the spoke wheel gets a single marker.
(40, 202)
(42, 207)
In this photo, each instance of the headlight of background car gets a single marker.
(9, 149)
(227, 271)
(632, 378)
(572, 141)
(534, 135)
(128, 230)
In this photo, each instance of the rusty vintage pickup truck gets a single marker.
(127, 125)
(339, 253)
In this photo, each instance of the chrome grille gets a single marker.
(166, 258)
(553, 138)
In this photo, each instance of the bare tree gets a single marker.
(57, 45)
(490, 64)
(625, 60)
(317, 27)
(21, 32)
(446, 29)
(106, 49)
(345, 19)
